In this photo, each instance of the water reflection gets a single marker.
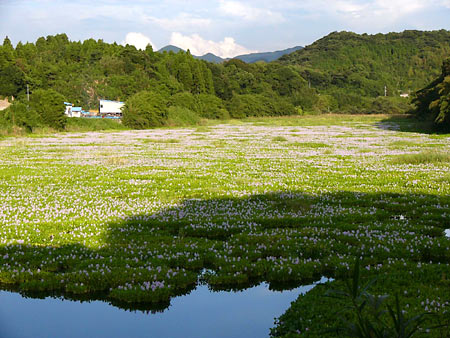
(201, 313)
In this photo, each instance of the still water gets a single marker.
(202, 313)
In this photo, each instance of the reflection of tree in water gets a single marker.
(286, 239)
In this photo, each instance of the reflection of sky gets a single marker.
(202, 313)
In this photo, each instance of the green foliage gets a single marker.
(362, 65)
(80, 124)
(211, 107)
(247, 105)
(19, 114)
(390, 105)
(184, 100)
(433, 102)
(429, 157)
(325, 104)
(373, 317)
(144, 110)
(12, 80)
(180, 116)
(279, 139)
(49, 104)
(343, 72)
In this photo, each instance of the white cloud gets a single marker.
(139, 40)
(199, 46)
(249, 13)
(181, 22)
(387, 9)
(373, 15)
(445, 3)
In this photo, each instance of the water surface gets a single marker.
(202, 313)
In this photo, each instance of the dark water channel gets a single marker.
(202, 313)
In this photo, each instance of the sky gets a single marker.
(225, 27)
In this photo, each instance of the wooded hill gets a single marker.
(349, 65)
(84, 72)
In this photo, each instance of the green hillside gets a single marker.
(345, 63)
(56, 69)
(433, 101)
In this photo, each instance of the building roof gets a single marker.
(76, 109)
(112, 101)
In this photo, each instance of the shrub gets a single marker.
(49, 104)
(279, 139)
(211, 107)
(184, 100)
(389, 105)
(18, 114)
(246, 105)
(180, 116)
(145, 110)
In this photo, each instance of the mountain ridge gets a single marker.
(248, 58)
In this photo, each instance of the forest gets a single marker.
(343, 73)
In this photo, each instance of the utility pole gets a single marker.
(385, 90)
(28, 96)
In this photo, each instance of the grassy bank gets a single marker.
(89, 124)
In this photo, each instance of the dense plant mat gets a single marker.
(139, 217)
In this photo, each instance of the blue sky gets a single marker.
(225, 27)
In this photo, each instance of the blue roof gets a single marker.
(76, 109)
(68, 103)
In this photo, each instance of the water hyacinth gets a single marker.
(137, 217)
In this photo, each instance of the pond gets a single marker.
(201, 313)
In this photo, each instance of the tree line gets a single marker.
(343, 72)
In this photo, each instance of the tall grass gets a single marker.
(80, 124)
(432, 157)
(279, 139)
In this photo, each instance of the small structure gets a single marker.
(72, 111)
(68, 111)
(4, 103)
(404, 95)
(76, 111)
(111, 109)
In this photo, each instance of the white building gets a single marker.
(72, 111)
(111, 108)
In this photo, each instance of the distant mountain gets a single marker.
(170, 48)
(268, 56)
(248, 58)
(210, 57)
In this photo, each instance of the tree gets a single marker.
(49, 104)
(433, 101)
(145, 110)
(12, 80)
